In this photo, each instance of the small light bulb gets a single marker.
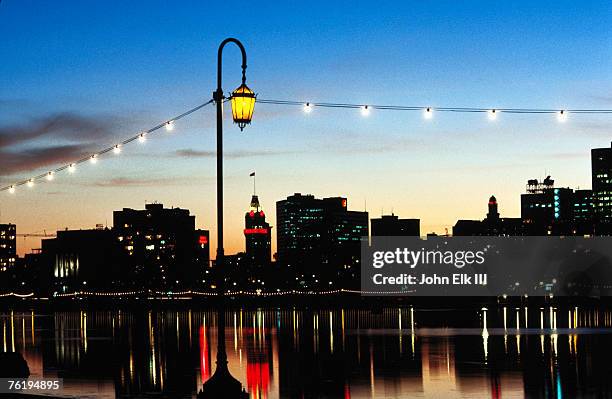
(428, 114)
(308, 108)
(142, 138)
(562, 116)
(492, 114)
(12, 189)
(170, 126)
(117, 150)
(93, 159)
(30, 183)
(50, 176)
(72, 168)
(365, 110)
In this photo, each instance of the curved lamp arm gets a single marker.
(219, 92)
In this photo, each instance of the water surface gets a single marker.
(501, 352)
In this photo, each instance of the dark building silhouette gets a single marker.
(202, 252)
(493, 214)
(601, 175)
(583, 212)
(258, 235)
(162, 245)
(391, 225)
(319, 239)
(36, 273)
(468, 228)
(8, 247)
(546, 210)
(83, 260)
(492, 225)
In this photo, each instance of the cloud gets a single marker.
(25, 146)
(189, 153)
(69, 126)
(35, 158)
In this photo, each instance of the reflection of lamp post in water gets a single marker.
(222, 384)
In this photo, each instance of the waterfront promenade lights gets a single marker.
(222, 384)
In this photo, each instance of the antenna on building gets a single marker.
(253, 176)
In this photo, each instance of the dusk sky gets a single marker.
(79, 76)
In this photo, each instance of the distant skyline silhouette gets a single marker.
(71, 82)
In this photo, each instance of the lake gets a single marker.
(402, 352)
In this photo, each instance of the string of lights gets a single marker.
(308, 107)
(428, 111)
(116, 149)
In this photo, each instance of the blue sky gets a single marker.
(113, 68)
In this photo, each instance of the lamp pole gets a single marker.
(222, 384)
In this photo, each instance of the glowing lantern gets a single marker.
(243, 103)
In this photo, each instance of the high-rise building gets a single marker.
(258, 234)
(583, 212)
(162, 245)
(547, 210)
(391, 225)
(8, 247)
(601, 175)
(319, 238)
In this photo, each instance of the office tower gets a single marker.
(583, 212)
(547, 210)
(391, 225)
(601, 175)
(319, 239)
(162, 245)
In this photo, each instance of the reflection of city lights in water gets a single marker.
(331, 332)
(32, 328)
(342, 321)
(152, 361)
(553, 341)
(372, 378)
(485, 334)
(204, 363)
(258, 379)
(12, 332)
(259, 357)
(235, 332)
(505, 318)
(518, 321)
(23, 339)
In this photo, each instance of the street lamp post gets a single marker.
(222, 384)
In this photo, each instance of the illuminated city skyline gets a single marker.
(106, 79)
